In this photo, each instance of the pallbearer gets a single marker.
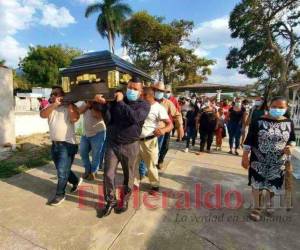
(125, 117)
(61, 119)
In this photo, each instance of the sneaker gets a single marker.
(186, 150)
(75, 187)
(122, 209)
(107, 210)
(57, 200)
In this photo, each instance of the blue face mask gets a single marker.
(132, 95)
(167, 95)
(159, 95)
(277, 112)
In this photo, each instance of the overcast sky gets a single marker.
(25, 23)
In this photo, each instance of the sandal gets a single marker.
(255, 215)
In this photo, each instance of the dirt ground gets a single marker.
(31, 151)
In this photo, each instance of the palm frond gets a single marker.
(93, 8)
(102, 25)
(122, 8)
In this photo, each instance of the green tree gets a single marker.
(20, 82)
(41, 65)
(2, 62)
(160, 48)
(270, 43)
(112, 14)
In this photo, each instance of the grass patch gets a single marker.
(23, 160)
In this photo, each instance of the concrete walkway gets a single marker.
(182, 220)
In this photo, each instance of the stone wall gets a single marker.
(28, 123)
(7, 115)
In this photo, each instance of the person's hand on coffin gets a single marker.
(119, 96)
(100, 99)
(57, 101)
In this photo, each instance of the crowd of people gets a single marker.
(135, 130)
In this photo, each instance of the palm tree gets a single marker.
(112, 14)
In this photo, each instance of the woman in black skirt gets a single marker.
(269, 140)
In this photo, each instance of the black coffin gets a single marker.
(98, 73)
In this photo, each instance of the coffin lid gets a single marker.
(103, 60)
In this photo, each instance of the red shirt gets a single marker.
(176, 103)
(226, 110)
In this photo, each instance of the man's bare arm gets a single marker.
(46, 112)
(168, 128)
(73, 112)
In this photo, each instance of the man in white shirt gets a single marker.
(61, 119)
(148, 143)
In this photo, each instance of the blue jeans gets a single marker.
(142, 168)
(160, 141)
(191, 133)
(235, 132)
(94, 144)
(102, 154)
(63, 154)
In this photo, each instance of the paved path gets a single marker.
(26, 222)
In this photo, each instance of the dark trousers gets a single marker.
(126, 155)
(206, 137)
(235, 132)
(191, 133)
(164, 148)
(63, 154)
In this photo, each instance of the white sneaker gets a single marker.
(76, 187)
(186, 150)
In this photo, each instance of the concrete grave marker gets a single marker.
(7, 111)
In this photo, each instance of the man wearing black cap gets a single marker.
(125, 117)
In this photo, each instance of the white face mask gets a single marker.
(206, 104)
(258, 103)
(238, 104)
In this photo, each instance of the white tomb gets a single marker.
(7, 110)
